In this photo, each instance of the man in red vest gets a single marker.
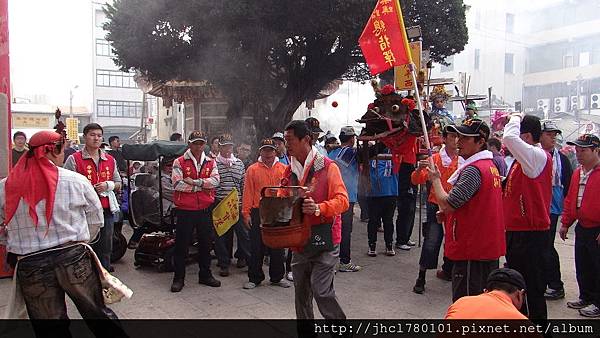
(313, 265)
(195, 177)
(472, 211)
(527, 197)
(101, 170)
(582, 205)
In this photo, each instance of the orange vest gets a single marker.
(104, 172)
(198, 200)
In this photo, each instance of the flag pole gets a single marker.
(420, 105)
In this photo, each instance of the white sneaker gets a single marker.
(289, 276)
(405, 247)
(411, 242)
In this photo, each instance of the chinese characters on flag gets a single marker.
(226, 213)
(383, 41)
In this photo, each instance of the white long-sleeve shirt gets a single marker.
(76, 210)
(531, 157)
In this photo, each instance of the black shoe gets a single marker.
(552, 294)
(419, 286)
(210, 281)
(177, 285)
(110, 269)
(241, 263)
(224, 272)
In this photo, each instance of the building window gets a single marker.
(510, 22)
(114, 78)
(477, 58)
(103, 48)
(450, 66)
(584, 59)
(509, 60)
(106, 108)
(100, 18)
(568, 61)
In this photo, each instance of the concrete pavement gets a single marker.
(383, 289)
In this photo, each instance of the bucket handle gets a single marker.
(290, 187)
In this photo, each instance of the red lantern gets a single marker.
(334, 104)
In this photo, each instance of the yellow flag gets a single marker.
(226, 213)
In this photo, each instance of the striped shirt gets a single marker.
(231, 177)
(466, 187)
(77, 209)
(583, 178)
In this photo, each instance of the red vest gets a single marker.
(527, 200)
(198, 200)
(319, 187)
(105, 171)
(475, 231)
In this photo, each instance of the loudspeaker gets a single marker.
(595, 101)
(560, 104)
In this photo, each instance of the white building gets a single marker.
(117, 100)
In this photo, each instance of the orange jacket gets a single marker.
(419, 176)
(258, 176)
(492, 305)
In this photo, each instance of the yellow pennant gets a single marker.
(226, 213)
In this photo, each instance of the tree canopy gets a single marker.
(265, 56)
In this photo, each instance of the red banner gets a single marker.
(383, 41)
(5, 86)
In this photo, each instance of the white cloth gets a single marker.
(447, 160)
(298, 168)
(76, 209)
(482, 155)
(228, 161)
(531, 157)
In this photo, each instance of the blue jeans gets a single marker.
(434, 234)
(103, 247)
(46, 277)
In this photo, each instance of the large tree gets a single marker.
(265, 56)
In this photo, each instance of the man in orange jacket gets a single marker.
(447, 160)
(267, 172)
(503, 296)
(313, 265)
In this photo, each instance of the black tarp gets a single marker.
(153, 150)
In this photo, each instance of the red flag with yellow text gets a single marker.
(383, 41)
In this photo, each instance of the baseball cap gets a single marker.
(549, 126)
(471, 127)
(347, 131)
(225, 139)
(329, 135)
(314, 125)
(509, 276)
(278, 135)
(267, 143)
(197, 135)
(586, 141)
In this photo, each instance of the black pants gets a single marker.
(524, 251)
(551, 259)
(45, 278)
(347, 218)
(406, 201)
(257, 255)
(469, 277)
(381, 209)
(186, 222)
(587, 263)
(363, 203)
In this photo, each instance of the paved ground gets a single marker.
(383, 289)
